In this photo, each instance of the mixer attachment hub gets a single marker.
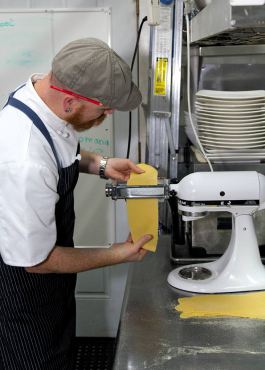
(195, 273)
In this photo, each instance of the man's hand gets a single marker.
(71, 260)
(129, 251)
(119, 169)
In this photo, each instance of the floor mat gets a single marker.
(94, 353)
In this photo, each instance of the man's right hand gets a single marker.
(71, 260)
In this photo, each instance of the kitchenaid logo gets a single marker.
(182, 202)
(192, 203)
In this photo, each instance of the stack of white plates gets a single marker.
(231, 124)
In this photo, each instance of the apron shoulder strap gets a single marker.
(36, 121)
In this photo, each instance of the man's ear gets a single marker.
(68, 103)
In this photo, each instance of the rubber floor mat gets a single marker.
(94, 353)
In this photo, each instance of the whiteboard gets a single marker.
(28, 41)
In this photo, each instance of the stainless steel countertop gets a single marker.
(153, 336)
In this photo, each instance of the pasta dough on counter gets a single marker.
(143, 213)
(248, 305)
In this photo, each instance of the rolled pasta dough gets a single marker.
(143, 213)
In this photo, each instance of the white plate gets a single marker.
(230, 122)
(231, 104)
(221, 103)
(230, 111)
(246, 2)
(237, 151)
(227, 146)
(230, 135)
(245, 115)
(236, 159)
(232, 129)
(240, 159)
(233, 144)
(243, 155)
(231, 94)
(234, 154)
(232, 141)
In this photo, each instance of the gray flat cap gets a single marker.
(91, 68)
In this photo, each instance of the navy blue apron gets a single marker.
(37, 311)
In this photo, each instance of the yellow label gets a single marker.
(160, 84)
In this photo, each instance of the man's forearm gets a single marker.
(71, 260)
(89, 162)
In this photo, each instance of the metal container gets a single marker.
(195, 273)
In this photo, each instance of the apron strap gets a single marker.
(36, 121)
(12, 94)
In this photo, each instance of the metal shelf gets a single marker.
(223, 24)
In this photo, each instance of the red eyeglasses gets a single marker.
(76, 95)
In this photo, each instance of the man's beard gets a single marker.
(79, 125)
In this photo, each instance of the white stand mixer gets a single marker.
(242, 193)
(240, 268)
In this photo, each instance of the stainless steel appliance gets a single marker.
(229, 22)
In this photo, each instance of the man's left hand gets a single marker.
(119, 169)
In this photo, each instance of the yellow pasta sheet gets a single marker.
(143, 213)
(247, 305)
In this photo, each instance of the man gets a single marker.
(39, 162)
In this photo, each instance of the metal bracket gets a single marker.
(122, 191)
(162, 114)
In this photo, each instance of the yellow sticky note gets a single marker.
(247, 305)
(143, 213)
